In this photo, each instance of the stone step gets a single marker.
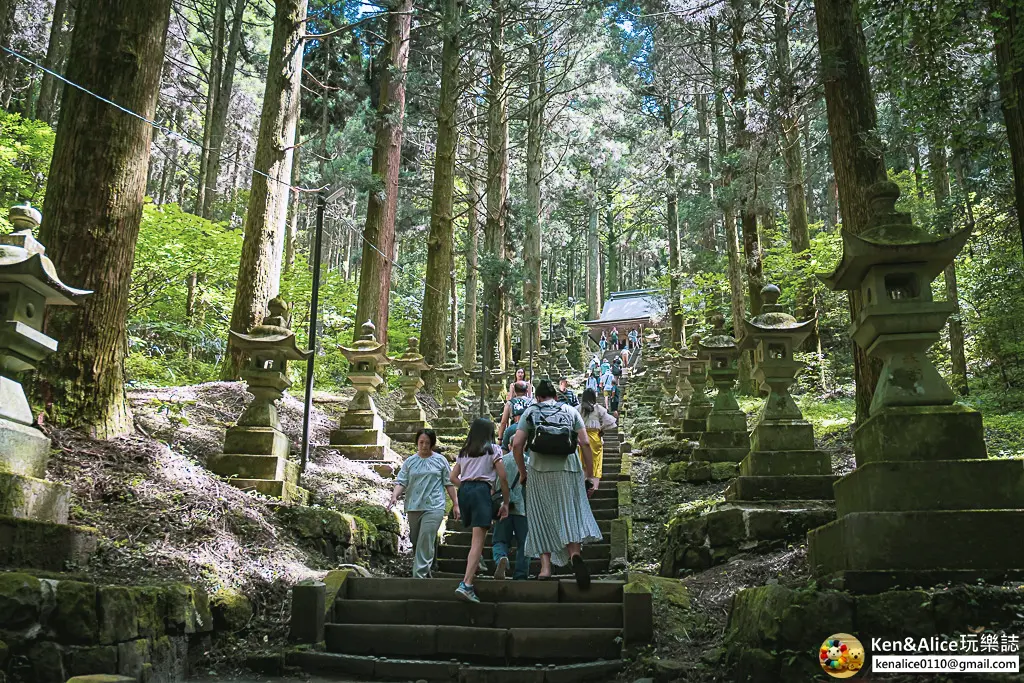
(488, 591)
(605, 525)
(465, 537)
(594, 565)
(448, 551)
(430, 670)
(483, 615)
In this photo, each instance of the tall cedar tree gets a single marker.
(49, 86)
(672, 226)
(856, 149)
(259, 271)
(1008, 21)
(93, 206)
(497, 191)
(382, 205)
(538, 97)
(440, 242)
(593, 262)
(474, 195)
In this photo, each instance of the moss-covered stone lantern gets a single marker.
(544, 363)
(33, 511)
(924, 504)
(360, 433)
(409, 415)
(725, 436)
(450, 424)
(562, 356)
(698, 406)
(256, 450)
(783, 463)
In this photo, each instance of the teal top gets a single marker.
(552, 463)
(517, 504)
(424, 480)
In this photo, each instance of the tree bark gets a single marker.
(593, 283)
(291, 236)
(497, 191)
(534, 171)
(939, 163)
(704, 183)
(259, 270)
(382, 206)
(469, 332)
(792, 154)
(441, 240)
(856, 149)
(672, 227)
(8, 64)
(612, 269)
(1007, 17)
(93, 207)
(213, 75)
(49, 86)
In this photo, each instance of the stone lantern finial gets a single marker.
(25, 217)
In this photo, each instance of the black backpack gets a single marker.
(550, 437)
(518, 406)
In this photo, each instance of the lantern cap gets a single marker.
(412, 359)
(892, 238)
(451, 364)
(719, 340)
(275, 331)
(23, 259)
(774, 321)
(366, 347)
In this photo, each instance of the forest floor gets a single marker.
(163, 516)
(691, 624)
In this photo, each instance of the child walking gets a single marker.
(477, 467)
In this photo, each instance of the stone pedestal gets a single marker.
(360, 433)
(924, 504)
(34, 530)
(409, 416)
(725, 437)
(256, 451)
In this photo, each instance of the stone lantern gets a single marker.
(783, 463)
(33, 511)
(698, 407)
(360, 433)
(496, 386)
(409, 415)
(562, 356)
(669, 399)
(256, 450)
(450, 424)
(543, 363)
(683, 390)
(924, 503)
(725, 436)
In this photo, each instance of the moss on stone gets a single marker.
(117, 614)
(231, 610)
(148, 615)
(21, 597)
(377, 515)
(75, 619)
(85, 661)
(335, 582)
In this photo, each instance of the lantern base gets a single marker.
(23, 450)
(782, 463)
(274, 488)
(32, 498)
(782, 435)
(34, 544)
(260, 441)
(920, 433)
(722, 446)
(245, 466)
(787, 487)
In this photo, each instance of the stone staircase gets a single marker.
(522, 631)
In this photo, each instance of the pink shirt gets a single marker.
(480, 468)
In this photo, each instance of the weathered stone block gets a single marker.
(895, 614)
(637, 614)
(256, 441)
(792, 435)
(920, 433)
(793, 487)
(148, 611)
(932, 485)
(102, 678)
(757, 666)
(47, 663)
(720, 471)
(249, 466)
(725, 527)
(31, 498)
(231, 610)
(760, 463)
(75, 618)
(169, 656)
(35, 544)
(727, 421)
(204, 616)
(273, 488)
(85, 661)
(696, 472)
(117, 614)
(309, 599)
(132, 657)
(21, 600)
(24, 450)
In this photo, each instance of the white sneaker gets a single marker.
(499, 572)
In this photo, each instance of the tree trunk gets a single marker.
(856, 149)
(792, 154)
(672, 227)
(593, 283)
(382, 205)
(534, 170)
(939, 163)
(291, 237)
(1007, 16)
(217, 123)
(612, 269)
(259, 270)
(93, 207)
(497, 191)
(472, 246)
(441, 240)
(50, 87)
(8, 64)
(213, 75)
(704, 183)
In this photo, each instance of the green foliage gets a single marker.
(25, 150)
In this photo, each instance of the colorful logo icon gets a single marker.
(841, 655)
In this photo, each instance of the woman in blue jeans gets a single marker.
(513, 526)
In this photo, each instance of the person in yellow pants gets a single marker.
(596, 419)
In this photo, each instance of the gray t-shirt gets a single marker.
(566, 416)
(424, 480)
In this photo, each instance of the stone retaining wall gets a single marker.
(51, 630)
